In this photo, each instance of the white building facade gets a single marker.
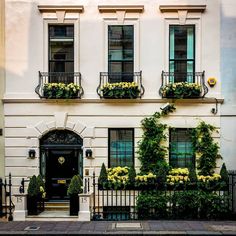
(151, 43)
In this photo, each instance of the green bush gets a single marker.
(192, 174)
(34, 187)
(102, 179)
(152, 205)
(75, 186)
(224, 173)
(185, 204)
(132, 175)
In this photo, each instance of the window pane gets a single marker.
(181, 52)
(61, 51)
(120, 51)
(121, 145)
(181, 149)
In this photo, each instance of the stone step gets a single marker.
(56, 206)
(53, 216)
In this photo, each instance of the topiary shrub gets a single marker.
(192, 174)
(131, 177)
(224, 176)
(103, 177)
(34, 187)
(75, 186)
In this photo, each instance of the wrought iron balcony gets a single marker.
(183, 85)
(120, 85)
(59, 85)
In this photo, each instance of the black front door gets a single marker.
(61, 166)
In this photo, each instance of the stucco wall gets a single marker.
(2, 84)
(228, 75)
(27, 117)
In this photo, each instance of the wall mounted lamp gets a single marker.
(89, 153)
(32, 153)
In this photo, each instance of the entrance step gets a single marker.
(57, 206)
(53, 216)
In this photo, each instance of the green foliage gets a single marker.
(102, 179)
(75, 186)
(60, 90)
(151, 151)
(205, 147)
(34, 187)
(224, 173)
(192, 174)
(132, 175)
(181, 90)
(152, 205)
(40, 181)
(121, 90)
(191, 204)
(185, 204)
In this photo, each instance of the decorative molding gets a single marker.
(60, 12)
(55, 8)
(182, 17)
(110, 101)
(126, 8)
(188, 8)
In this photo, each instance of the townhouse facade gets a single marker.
(81, 77)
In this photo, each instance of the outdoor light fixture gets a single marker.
(89, 153)
(32, 153)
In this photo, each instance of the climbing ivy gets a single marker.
(151, 150)
(205, 148)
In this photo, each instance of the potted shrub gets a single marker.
(33, 196)
(103, 178)
(75, 187)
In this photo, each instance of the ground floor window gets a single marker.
(121, 147)
(181, 148)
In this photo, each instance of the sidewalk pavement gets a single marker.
(118, 228)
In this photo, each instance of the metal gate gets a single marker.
(232, 190)
(6, 204)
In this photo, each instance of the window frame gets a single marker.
(136, 57)
(47, 23)
(122, 61)
(171, 130)
(109, 138)
(189, 21)
(184, 60)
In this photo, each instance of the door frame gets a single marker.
(60, 140)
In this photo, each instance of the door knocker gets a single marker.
(61, 160)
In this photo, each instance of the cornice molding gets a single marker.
(176, 8)
(126, 8)
(55, 8)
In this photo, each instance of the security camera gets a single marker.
(165, 106)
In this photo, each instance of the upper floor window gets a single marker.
(61, 52)
(121, 147)
(120, 53)
(181, 149)
(182, 52)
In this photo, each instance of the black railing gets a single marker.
(6, 204)
(158, 203)
(112, 78)
(175, 78)
(58, 77)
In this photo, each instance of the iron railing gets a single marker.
(197, 78)
(6, 204)
(122, 203)
(58, 77)
(106, 77)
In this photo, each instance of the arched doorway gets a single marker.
(61, 157)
